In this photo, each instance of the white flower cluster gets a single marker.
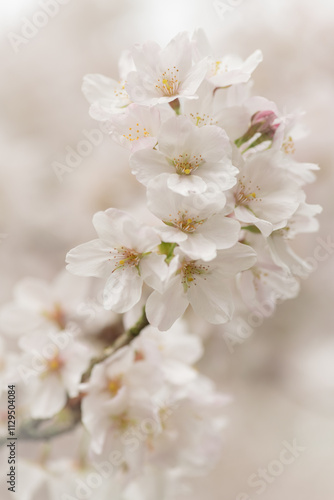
(228, 196)
(220, 177)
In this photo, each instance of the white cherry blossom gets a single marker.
(194, 158)
(196, 223)
(136, 128)
(123, 255)
(163, 75)
(264, 196)
(265, 283)
(106, 95)
(51, 368)
(39, 305)
(227, 70)
(203, 285)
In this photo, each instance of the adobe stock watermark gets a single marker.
(243, 328)
(265, 476)
(31, 27)
(131, 439)
(223, 7)
(84, 148)
(321, 253)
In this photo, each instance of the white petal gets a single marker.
(122, 290)
(163, 310)
(148, 164)
(211, 299)
(196, 246)
(222, 231)
(154, 270)
(90, 259)
(49, 399)
(186, 184)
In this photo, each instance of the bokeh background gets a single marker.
(282, 377)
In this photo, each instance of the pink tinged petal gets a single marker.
(233, 260)
(286, 258)
(171, 234)
(154, 270)
(110, 225)
(196, 246)
(239, 74)
(214, 143)
(137, 128)
(211, 299)
(143, 238)
(243, 214)
(122, 290)
(178, 53)
(186, 184)
(101, 92)
(145, 55)
(222, 174)
(97, 423)
(148, 164)
(77, 361)
(164, 309)
(177, 135)
(96, 86)
(49, 397)
(90, 259)
(222, 231)
(193, 80)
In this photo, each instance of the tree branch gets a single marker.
(70, 416)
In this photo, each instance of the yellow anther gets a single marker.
(114, 386)
(54, 364)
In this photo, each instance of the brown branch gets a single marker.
(70, 416)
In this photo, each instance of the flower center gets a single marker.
(190, 271)
(288, 146)
(201, 120)
(125, 258)
(56, 315)
(184, 222)
(168, 83)
(139, 356)
(136, 132)
(114, 385)
(185, 164)
(217, 67)
(121, 94)
(122, 422)
(53, 365)
(245, 194)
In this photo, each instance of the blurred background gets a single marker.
(282, 376)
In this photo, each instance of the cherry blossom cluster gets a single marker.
(221, 179)
(226, 194)
(144, 409)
